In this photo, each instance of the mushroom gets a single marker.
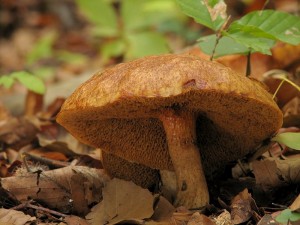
(173, 112)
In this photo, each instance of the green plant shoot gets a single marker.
(257, 31)
(30, 81)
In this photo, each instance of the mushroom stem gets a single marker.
(180, 129)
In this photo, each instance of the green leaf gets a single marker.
(149, 13)
(287, 215)
(44, 73)
(145, 43)
(226, 46)
(101, 13)
(210, 13)
(71, 57)
(252, 42)
(30, 81)
(7, 81)
(42, 49)
(290, 139)
(114, 48)
(270, 24)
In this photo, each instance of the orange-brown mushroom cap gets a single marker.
(117, 109)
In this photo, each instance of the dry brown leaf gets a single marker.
(200, 219)
(17, 132)
(223, 219)
(267, 220)
(271, 173)
(296, 205)
(291, 112)
(75, 220)
(59, 188)
(163, 210)
(241, 210)
(122, 201)
(34, 103)
(13, 217)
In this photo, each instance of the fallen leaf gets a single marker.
(75, 220)
(13, 217)
(163, 210)
(295, 207)
(241, 210)
(58, 188)
(122, 201)
(200, 219)
(271, 173)
(267, 220)
(223, 219)
(17, 132)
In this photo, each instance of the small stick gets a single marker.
(29, 205)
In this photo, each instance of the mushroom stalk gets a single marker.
(180, 129)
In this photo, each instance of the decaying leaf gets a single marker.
(163, 210)
(13, 217)
(267, 219)
(295, 207)
(122, 201)
(17, 132)
(75, 220)
(274, 173)
(223, 219)
(200, 219)
(69, 189)
(241, 210)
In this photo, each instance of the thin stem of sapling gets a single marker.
(248, 67)
(219, 35)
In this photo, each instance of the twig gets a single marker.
(219, 36)
(248, 68)
(40, 208)
(49, 162)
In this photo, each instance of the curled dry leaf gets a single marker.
(13, 217)
(241, 210)
(122, 201)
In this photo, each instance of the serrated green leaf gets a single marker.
(101, 13)
(287, 215)
(270, 24)
(255, 44)
(210, 13)
(145, 43)
(7, 81)
(30, 81)
(226, 46)
(290, 139)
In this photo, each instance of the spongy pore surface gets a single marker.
(117, 109)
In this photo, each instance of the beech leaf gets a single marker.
(259, 30)
(30, 81)
(210, 13)
(270, 24)
(122, 201)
